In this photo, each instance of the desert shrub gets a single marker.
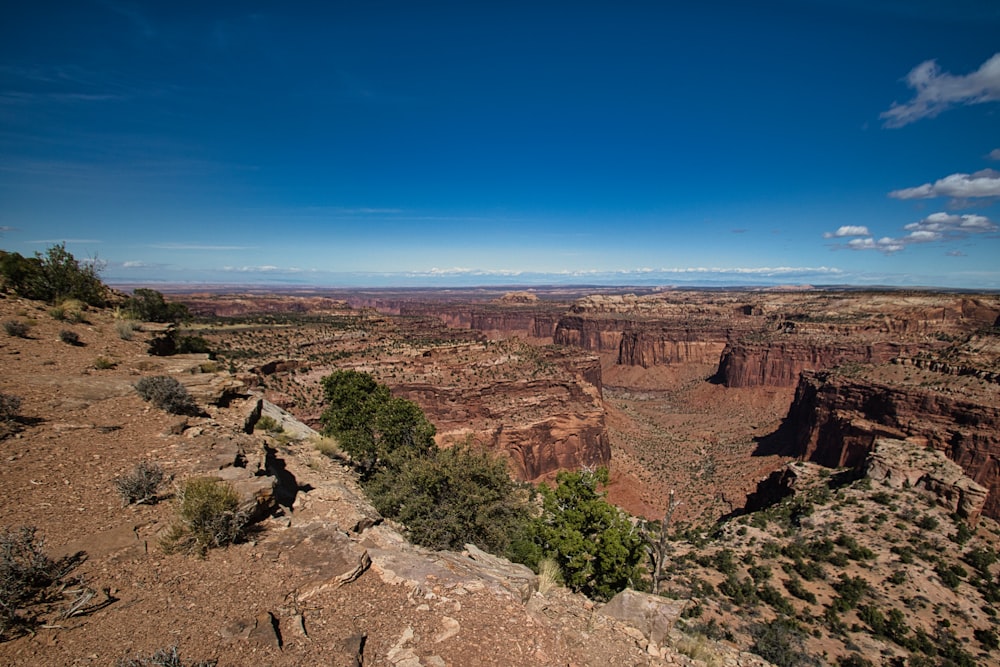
(69, 337)
(27, 576)
(102, 363)
(549, 575)
(724, 562)
(780, 642)
(10, 407)
(139, 486)
(449, 498)
(371, 424)
(927, 522)
(850, 590)
(164, 657)
(208, 516)
(988, 638)
(795, 587)
(741, 591)
(949, 577)
(126, 329)
(69, 310)
(16, 328)
(981, 558)
(962, 533)
(853, 660)
(167, 394)
(53, 276)
(269, 424)
(773, 597)
(149, 306)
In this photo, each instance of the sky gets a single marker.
(462, 143)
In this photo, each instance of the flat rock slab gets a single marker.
(317, 556)
(440, 572)
(653, 615)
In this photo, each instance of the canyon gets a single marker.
(699, 392)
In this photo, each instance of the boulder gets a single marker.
(652, 615)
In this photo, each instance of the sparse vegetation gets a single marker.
(10, 407)
(28, 577)
(53, 276)
(126, 329)
(70, 337)
(16, 328)
(148, 305)
(103, 363)
(167, 394)
(208, 516)
(164, 657)
(268, 424)
(139, 486)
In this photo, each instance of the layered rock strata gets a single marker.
(835, 420)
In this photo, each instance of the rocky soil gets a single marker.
(321, 580)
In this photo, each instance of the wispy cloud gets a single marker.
(266, 268)
(935, 227)
(937, 91)
(199, 246)
(51, 241)
(846, 231)
(985, 183)
(994, 154)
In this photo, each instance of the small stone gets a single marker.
(450, 628)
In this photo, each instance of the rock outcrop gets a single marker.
(835, 420)
(778, 361)
(541, 426)
(900, 463)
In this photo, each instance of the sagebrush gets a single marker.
(164, 657)
(208, 516)
(167, 394)
(27, 577)
(139, 486)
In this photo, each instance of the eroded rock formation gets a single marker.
(835, 420)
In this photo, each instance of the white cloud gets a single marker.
(994, 154)
(985, 183)
(266, 268)
(134, 264)
(935, 227)
(197, 246)
(847, 230)
(936, 91)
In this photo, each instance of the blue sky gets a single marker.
(440, 143)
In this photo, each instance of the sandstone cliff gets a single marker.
(834, 420)
(541, 426)
(778, 361)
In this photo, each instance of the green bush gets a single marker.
(167, 394)
(53, 276)
(372, 425)
(449, 498)
(268, 424)
(780, 642)
(596, 546)
(149, 306)
(208, 516)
